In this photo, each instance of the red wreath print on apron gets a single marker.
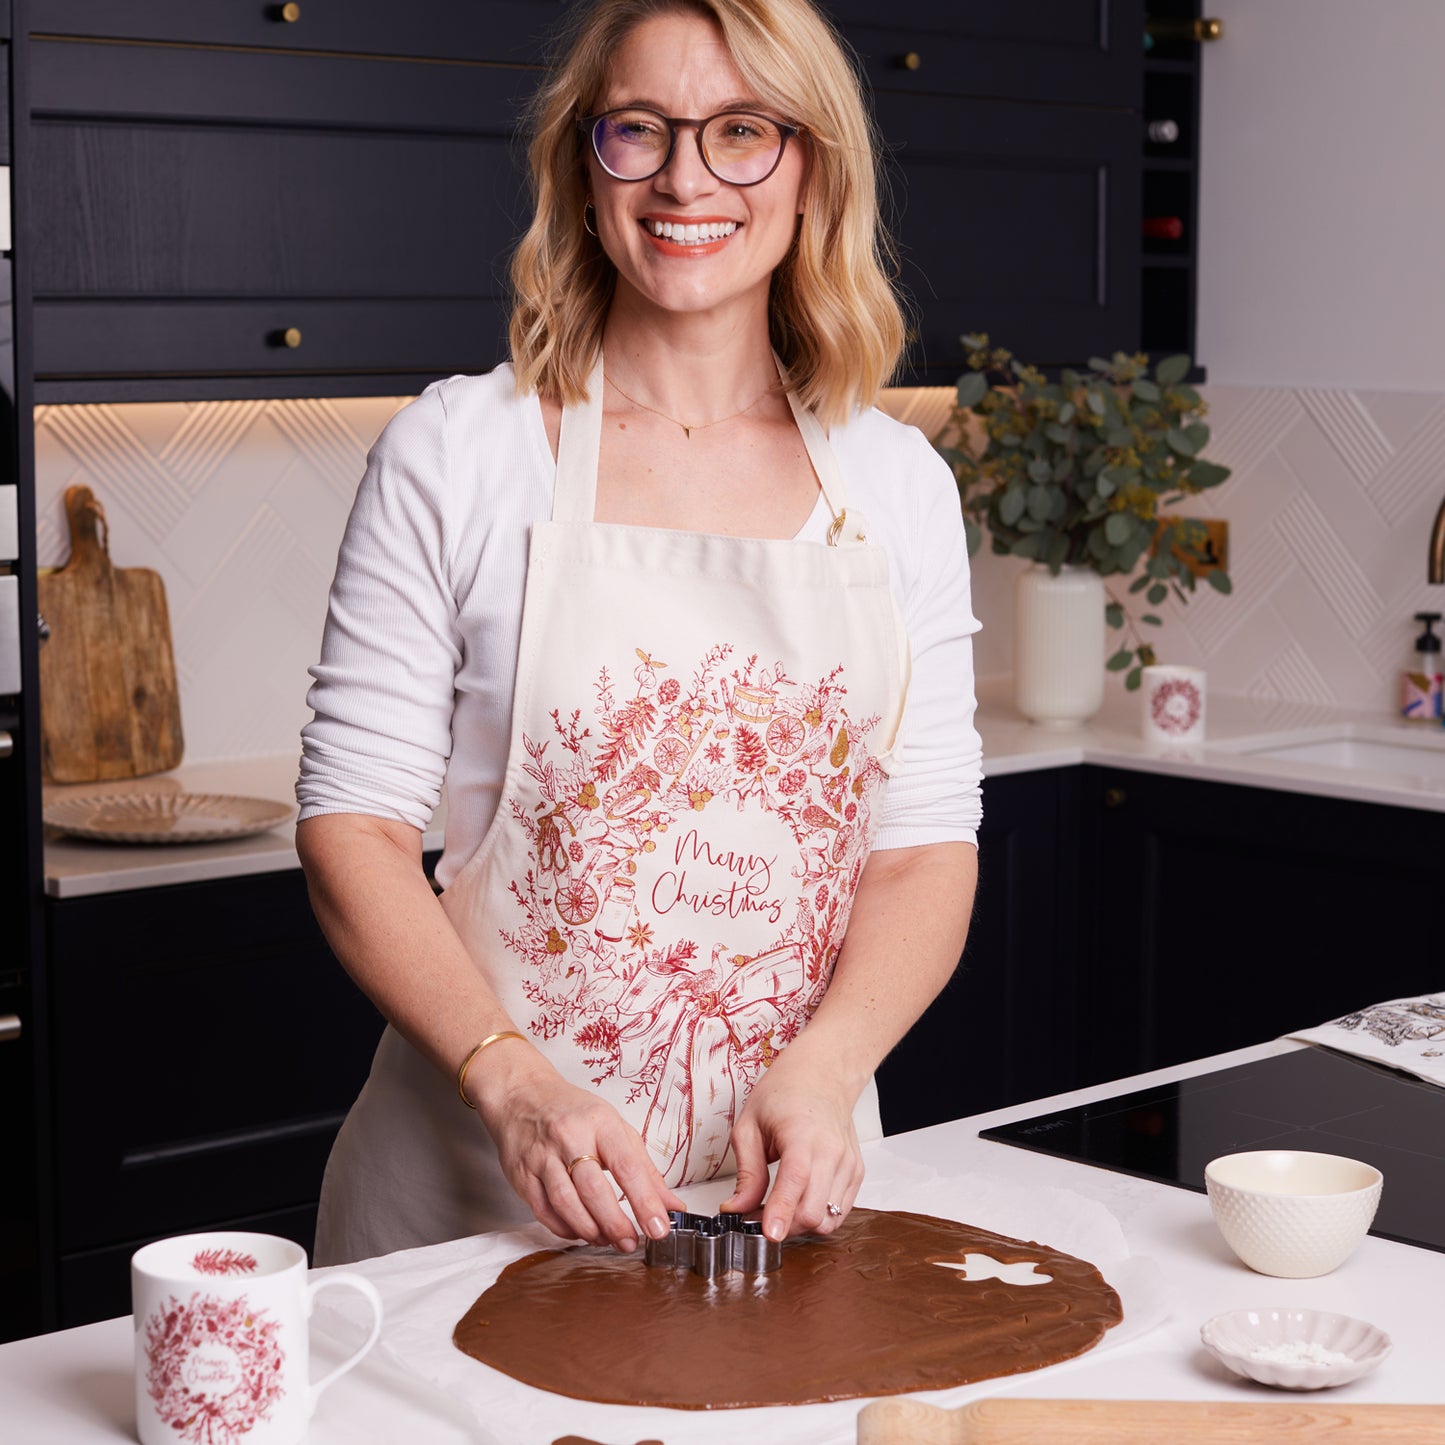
(644, 858)
(694, 1030)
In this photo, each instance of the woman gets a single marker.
(624, 592)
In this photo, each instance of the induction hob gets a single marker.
(1309, 1099)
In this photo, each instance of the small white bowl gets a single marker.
(1234, 1338)
(1292, 1213)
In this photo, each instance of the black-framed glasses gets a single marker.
(739, 147)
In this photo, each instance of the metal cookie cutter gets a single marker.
(713, 1244)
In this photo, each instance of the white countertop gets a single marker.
(75, 1387)
(1236, 724)
(75, 867)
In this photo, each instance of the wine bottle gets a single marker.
(1187, 30)
(1163, 228)
(1162, 132)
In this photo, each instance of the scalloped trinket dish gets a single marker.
(1235, 1338)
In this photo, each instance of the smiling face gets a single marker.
(678, 65)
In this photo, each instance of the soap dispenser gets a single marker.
(1420, 697)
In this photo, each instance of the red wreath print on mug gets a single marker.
(214, 1367)
(1175, 705)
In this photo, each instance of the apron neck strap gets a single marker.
(578, 444)
(580, 441)
(822, 456)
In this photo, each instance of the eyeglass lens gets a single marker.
(738, 147)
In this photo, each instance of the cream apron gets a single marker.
(700, 731)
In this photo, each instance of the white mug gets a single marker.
(221, 1340)
(1173, 705)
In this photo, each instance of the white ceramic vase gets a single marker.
(1059, 645)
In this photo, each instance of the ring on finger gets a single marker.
(833, 1211)
(582, 1159)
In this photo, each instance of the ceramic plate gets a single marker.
(1259, 1344)
(164, 817)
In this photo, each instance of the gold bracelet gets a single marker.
(486, 1043)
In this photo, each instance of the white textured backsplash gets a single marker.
(240, 506)
(1329, 510)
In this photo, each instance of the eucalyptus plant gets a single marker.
(1079, 472)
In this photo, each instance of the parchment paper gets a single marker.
(426, 1291)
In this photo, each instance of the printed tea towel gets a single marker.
(1406, 1033)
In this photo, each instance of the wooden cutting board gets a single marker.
(109, 706)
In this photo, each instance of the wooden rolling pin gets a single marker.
(1147, 1422)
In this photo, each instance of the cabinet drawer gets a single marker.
(1056, 51)
(394, 339)
(160, 83)
(197, 211)
(504, 30)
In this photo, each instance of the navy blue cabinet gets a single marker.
(207, 1046)
(1001, 1031)
(1013, 142)
(228, 203)
(1126, 921)
(1018, 220)
(1223, 916)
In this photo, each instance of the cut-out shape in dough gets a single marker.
(976, 1267)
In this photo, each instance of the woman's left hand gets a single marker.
(809, 1130)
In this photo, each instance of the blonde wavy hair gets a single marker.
(835, 319)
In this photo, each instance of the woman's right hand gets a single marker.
(541, 1124)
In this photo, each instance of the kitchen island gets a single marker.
(75, 1387)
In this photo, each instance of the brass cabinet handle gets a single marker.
(1115, 797)
(1196, 31)
(912, 61)
(287, 14)
(290, 338)
(9, 1028)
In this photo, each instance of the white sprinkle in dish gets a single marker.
(1299, 1352)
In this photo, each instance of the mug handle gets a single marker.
(368, 1290)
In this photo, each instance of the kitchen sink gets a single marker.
(1361, 750)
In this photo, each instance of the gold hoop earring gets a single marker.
(585, 226)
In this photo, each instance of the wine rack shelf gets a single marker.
(1170, 180)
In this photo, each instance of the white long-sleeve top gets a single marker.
(425, 618)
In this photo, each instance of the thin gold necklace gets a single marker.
(687, 430)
